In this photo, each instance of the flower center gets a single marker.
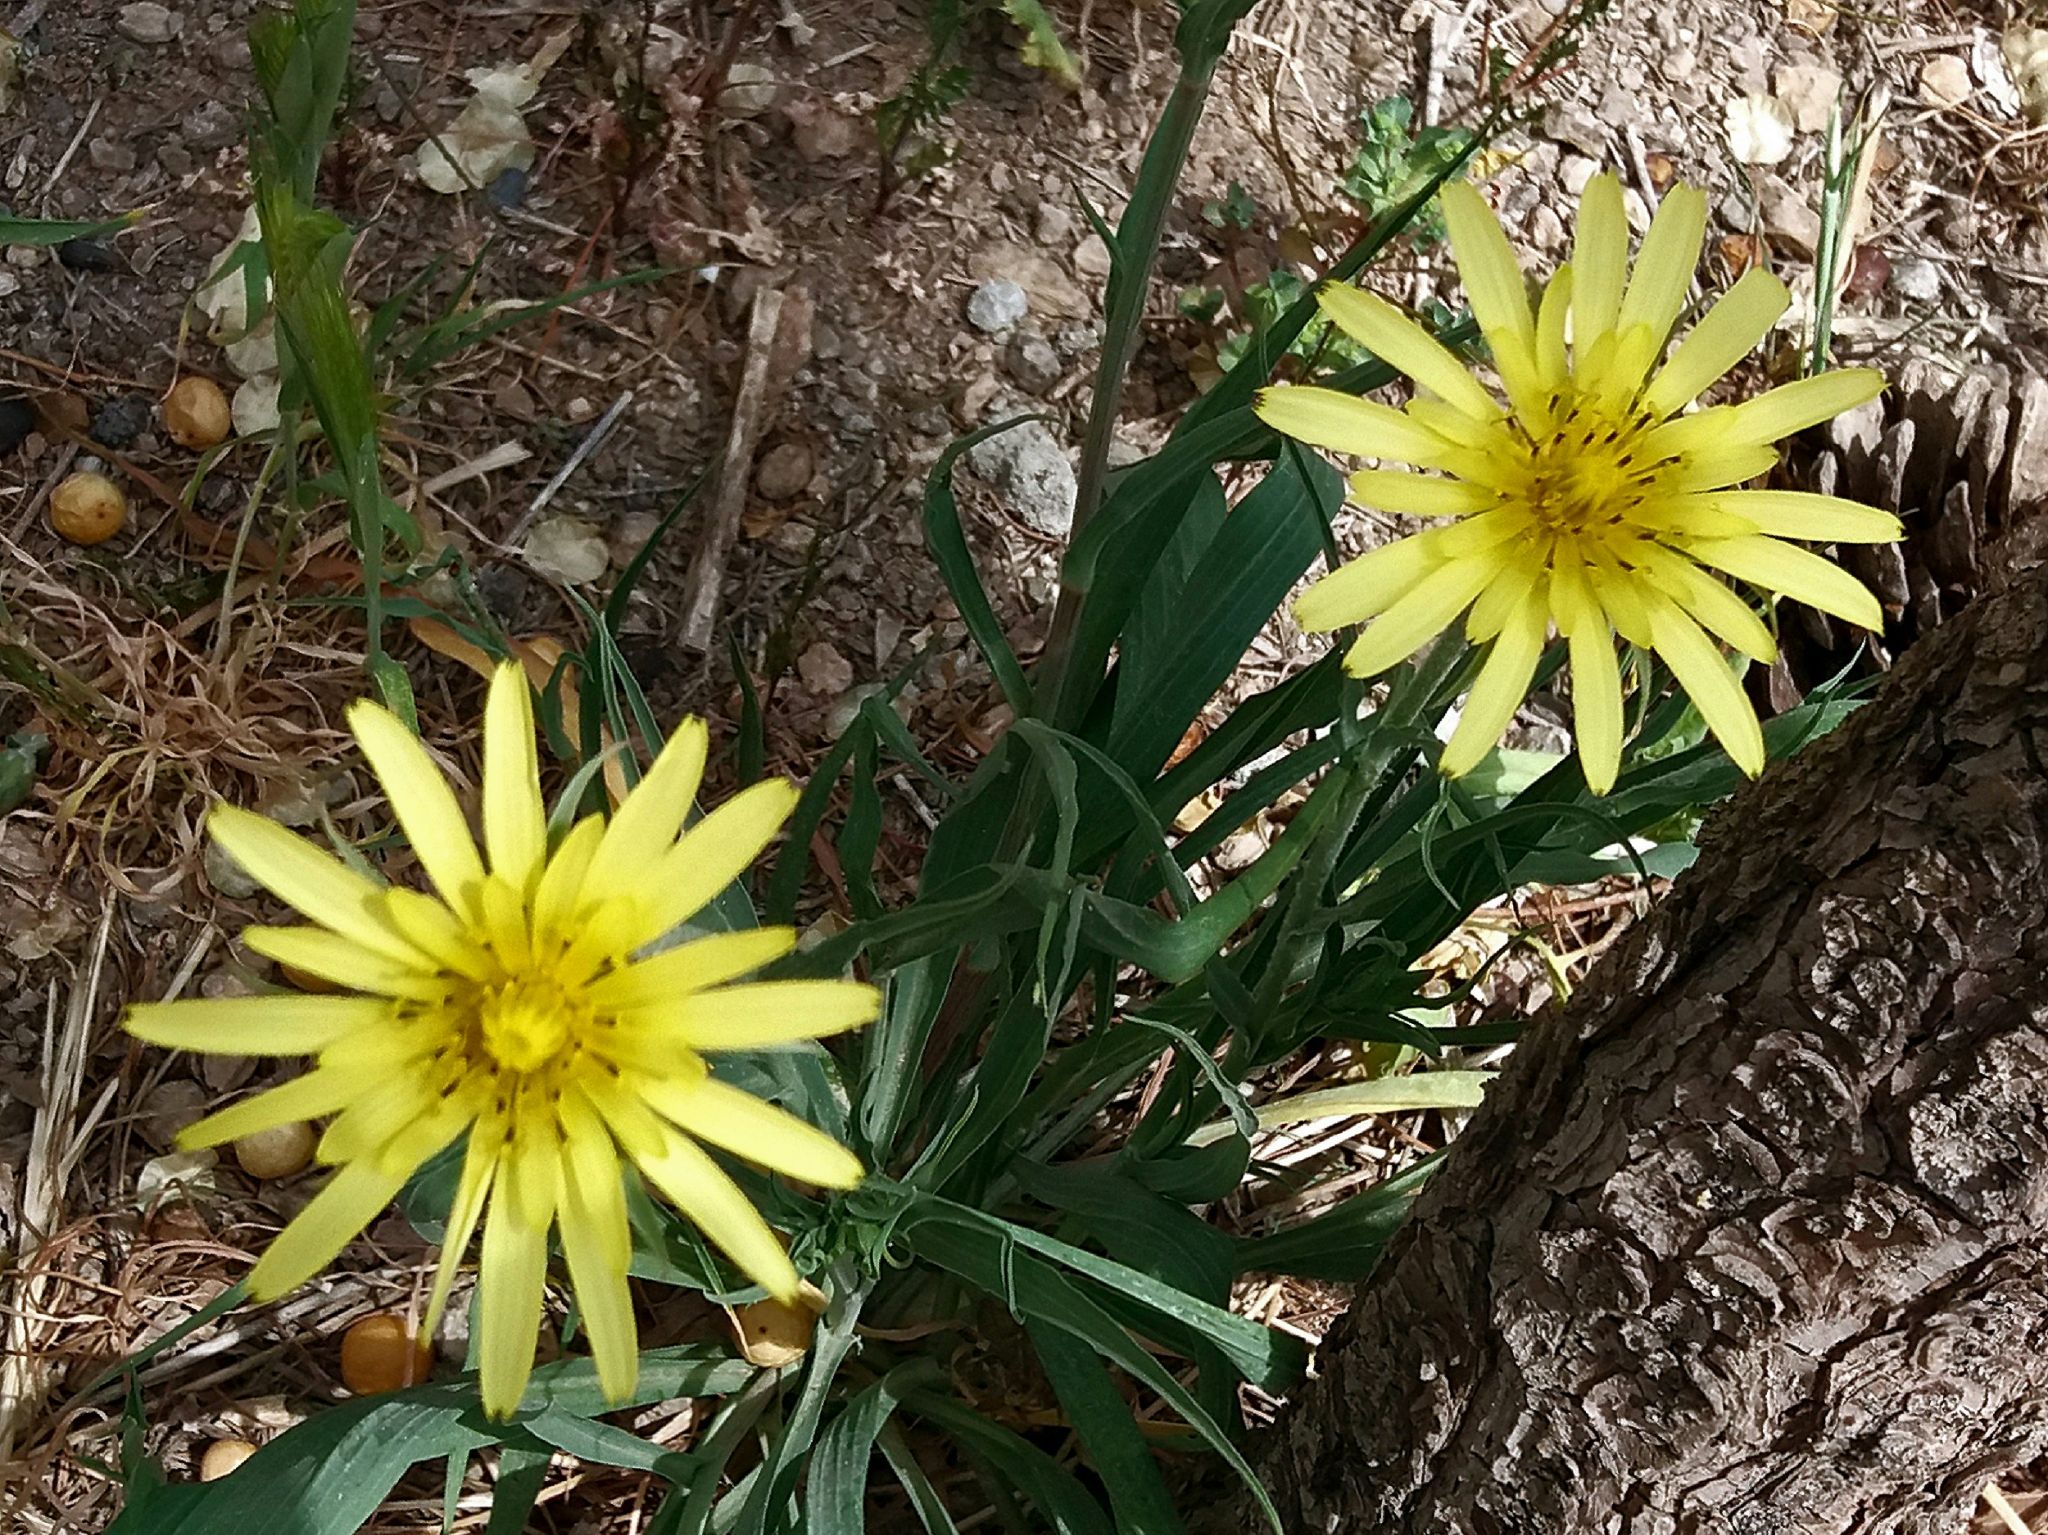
(1590, 471)
(525, 1024)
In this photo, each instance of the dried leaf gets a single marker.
(489, 134)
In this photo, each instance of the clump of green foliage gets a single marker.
(1083, 1020)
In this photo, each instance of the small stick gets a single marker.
(700, 585)
(589, 445)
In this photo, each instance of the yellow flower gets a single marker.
(1587, 500)
(513, 1008)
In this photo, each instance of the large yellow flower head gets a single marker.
(1591, 499)
(514, 1007)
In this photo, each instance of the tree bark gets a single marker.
(1751, 1238)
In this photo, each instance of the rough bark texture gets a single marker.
(1751, 1239)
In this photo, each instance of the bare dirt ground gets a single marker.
(155, 703)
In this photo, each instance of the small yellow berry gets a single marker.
(277, 1152)
(379, 1354)
(196, 413)
(222, 1456)
(88, 509)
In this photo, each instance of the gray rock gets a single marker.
(1033, 363)
(1788, 216)
(147, 22)
(111, 155)
(211, 125)
(1029, 468)
(1052, 225)
(997, 306)
(1915, 279)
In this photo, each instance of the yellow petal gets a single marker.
(515, 822)
(1663, 276)
(1716, 468)
(560, 892)
(1778, 413)
(284, 1023)
(315, 884)
(1596, 705)
(1599, 262)
(308, 1097)
(374, 1117)
(532, 1178)
(1343, 423)
(1453, 425)
(713, 853)
(331, 957)
(1617, 592)
(692, 966)
(699, 1187)
(1501, 600)
(479, 1164)
(420, 797)
(353, 1198)
(760, 1132)
(1814, 518)
(1571, 594)
(510, 1285)
(1370, 584)
(1494, 287)
(653, 814)
(597, 1243)
(1551, 366)
(1419, 495)
(437, 933)
(760, 1014)
(1424, 610)
(505, 922)
(1741, 318)
(1720, 611)
(1713, 688)
(1486, 265)
(1694, 514)
(1792, 572)
(1502, 685)
(1399, 342)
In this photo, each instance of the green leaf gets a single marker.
(1031, 1288)
(1269, 539)
(1102, 1420)
(47, 232)
(522, 1472)
(1025, 1467)
(1269, 1360)
(1343, 1245)
(1383, 1095)
(837, 1483)
(924, 1497)
(328, 1475)
(948, 545)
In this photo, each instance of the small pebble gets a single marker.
(87, 255)
(784, 471)
(118, 422)
(222, 1456)
(277, 1152)
(997, 306)
(379, 1354)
